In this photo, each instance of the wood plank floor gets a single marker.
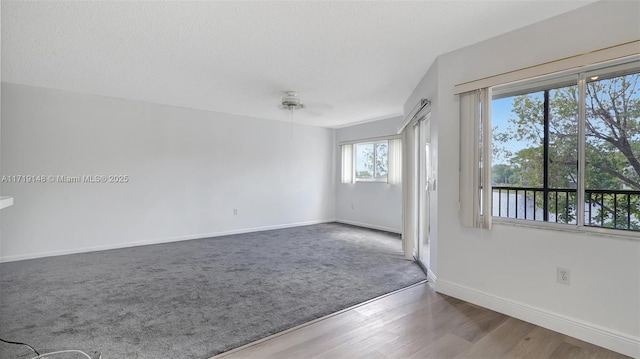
(420, 323)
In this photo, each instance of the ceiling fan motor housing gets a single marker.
(290, 100)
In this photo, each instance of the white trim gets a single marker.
(160, 240)
(370, 139)
(431, 277)
(571, 228)
(375, 119)
(594, 57)
(357, 180)
(589, 332)
(367, 225)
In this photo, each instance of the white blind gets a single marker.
(395, 162)
(347, 163)
(475, 159)
(408, 199)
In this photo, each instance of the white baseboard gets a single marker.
(431, 277)
(158, 241)
(589, 332)
(367, 225)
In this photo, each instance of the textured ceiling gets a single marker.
(350, 61)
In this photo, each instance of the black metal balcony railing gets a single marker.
(618, 209)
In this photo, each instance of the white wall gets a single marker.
(370, 204)
(187, 169)
(512, 269)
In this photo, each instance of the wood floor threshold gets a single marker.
(273, 336)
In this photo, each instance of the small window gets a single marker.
(372, 161)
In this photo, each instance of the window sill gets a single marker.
(570, 228)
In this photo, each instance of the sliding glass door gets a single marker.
(423, 184)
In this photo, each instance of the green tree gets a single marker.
(502, 174)
(377, 161)
(613, 132)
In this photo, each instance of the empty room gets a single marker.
(320, 179)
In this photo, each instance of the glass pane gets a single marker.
(612, 173)
(518, 130)
(563, 154)
(364, 161)
(517, 159)
(382, 161)
(563, 137)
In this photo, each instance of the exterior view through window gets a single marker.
(536, 151)
(372, 161)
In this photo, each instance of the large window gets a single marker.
(567, 149)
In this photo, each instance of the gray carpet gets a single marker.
(197, 298)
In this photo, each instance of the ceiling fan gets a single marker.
(291, 101)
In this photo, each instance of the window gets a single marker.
(567, 149)
(372, 161)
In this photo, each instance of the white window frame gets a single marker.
(394, 158)
(375, 156)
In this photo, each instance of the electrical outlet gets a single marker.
(235, 211)
(564, 276)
